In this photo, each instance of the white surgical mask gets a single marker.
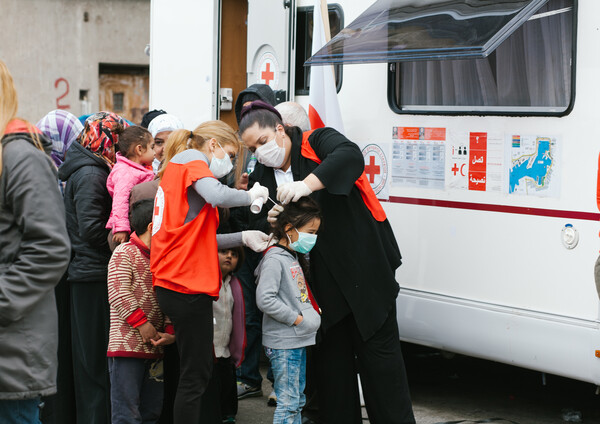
(220, 167)
(270, 154)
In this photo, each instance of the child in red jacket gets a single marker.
(138, 328)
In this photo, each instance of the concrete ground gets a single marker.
(462, 388)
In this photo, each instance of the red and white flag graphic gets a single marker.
(323, 109)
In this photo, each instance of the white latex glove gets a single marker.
(258, 192)
(255, 240)
(274, 213)
(291, 192)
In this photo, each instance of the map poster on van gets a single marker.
(533, 165)
(418, 157)
(475, 161)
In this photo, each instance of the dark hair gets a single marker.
(131, 137)
(141, 215)
(239, 251)
(149, 116)
(297, 214)
(265, 115)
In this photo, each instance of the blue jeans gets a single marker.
(289, 370)
(20, 411)
(136, 390)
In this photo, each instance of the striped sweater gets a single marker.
(132, 301)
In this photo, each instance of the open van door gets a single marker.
(271, 45)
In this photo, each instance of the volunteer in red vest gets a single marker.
(352, 266)
(184, 259)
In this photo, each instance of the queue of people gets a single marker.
(134, 269)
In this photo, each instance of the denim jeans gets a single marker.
(136, 390)
(289, 370)
(20, 411)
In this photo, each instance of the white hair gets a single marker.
(294, 114)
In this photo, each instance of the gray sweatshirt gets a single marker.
(210, 190)
(282, 295)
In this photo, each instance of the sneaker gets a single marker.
(244, 391)
(229, 420)
(272, 400)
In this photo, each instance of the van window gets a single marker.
(304, 28)
(531, 72)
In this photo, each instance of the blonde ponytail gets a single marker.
(181, 140)
(8, 102)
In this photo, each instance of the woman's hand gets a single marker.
(255, 240)
(258, 192)
(291, 192)
(273, 214)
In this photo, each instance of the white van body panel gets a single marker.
(486, 274)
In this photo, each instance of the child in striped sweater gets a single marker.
(138, 328)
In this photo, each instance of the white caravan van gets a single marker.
(481, 135)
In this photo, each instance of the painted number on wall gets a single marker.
(62, 96)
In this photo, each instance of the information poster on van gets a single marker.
(378, 166)
(534, 165)
(475, 162)
(418, 157)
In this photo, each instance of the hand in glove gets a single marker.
(291, 192)
(255, 240)
(274, 213)
(257, 191)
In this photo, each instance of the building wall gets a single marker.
(48, 44)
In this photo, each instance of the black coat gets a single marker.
(354, 261)
(87, 207)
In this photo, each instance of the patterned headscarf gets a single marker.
(99, 136)
(62, 128)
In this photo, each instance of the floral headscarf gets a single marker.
(62, 128)
(101, 134)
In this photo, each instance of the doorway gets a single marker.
(124, 90)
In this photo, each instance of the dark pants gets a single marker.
(381, 369)
(171, 372)
(192, 318)
(220, 398)
(136, 390)
(60, 408)
(249, 372)
(90, 323)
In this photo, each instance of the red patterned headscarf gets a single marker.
(101, 134)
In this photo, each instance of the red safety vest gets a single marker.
(183, 256)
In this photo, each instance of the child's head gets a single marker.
(230, 260)
(140, 217)
(303, 216)
(135, 143)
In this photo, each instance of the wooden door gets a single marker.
(125, 92)
(234, 33)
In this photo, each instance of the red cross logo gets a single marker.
(455, 169)
(371, 169)
(267, 74)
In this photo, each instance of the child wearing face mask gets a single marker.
(291, 315)
(132, 167)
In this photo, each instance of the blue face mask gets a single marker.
(305, 242)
